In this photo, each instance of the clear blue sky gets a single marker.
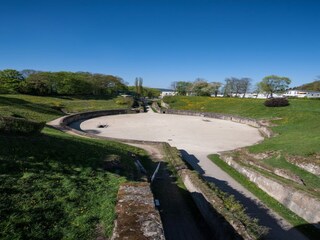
(164, 40)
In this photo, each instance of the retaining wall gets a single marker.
(156, 107)
(86, 115)
(265, 131)
(223, 223)
(298, 202)
(224, 227)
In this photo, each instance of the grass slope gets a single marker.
(53, 185)
(298, 134)
(48, 108)
(291, 217)
(298, 125)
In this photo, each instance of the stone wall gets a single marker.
(265, 131)
(224, 226)
(301, 203)
(86, 115)
(156, 107)
(223, 223)
(137, 217)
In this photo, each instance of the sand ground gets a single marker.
(196, 138)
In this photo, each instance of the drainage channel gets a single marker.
(179, 214)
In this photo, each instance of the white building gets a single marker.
(167, 93)
(302, 94)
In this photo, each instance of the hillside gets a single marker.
(57, 186)
(284, 157)
(313, 86)
(297, 125)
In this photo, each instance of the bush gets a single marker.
(19, 126)
(124, 100)
(276, 102)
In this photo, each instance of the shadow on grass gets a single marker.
(55, 186)
(32, 152)
(16, 103)
(253, 209)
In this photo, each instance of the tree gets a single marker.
(274, 84)
(27, 72)
(174, 86)
(229, 87)
(215, 87)
(236, 86)
(200, 87)
(35, 86)
(183, 87)
(10, 80)
(138, 85)
(244, 86)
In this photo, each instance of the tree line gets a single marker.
(59, 83)
(69, 83)
(233, 86)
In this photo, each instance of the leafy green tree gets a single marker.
(138, 85)
(10, 80)
(215, 87)
(35, 86)
(200, 87)
(245, 84)
(183, 88)
(274, 84)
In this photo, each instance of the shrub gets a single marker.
(276, 102)
(124, 100)
(19, 125)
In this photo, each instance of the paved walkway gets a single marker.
(196, 138)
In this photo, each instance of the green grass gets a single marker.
(312, 181)
(54, 185)
(291, 217)
(298, 128)
(48, 108)
(297, 131)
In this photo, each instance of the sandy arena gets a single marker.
(196, 138)
(189, 133)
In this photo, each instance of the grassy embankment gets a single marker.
(298, 136)
(57, 186)
(297, 126)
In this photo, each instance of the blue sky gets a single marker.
(164, 41)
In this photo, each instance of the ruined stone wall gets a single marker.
(224, 227)
(156, 107)
(137, 217)
(301, 203)
(265, 131)
(86, 115)
(223, 223)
